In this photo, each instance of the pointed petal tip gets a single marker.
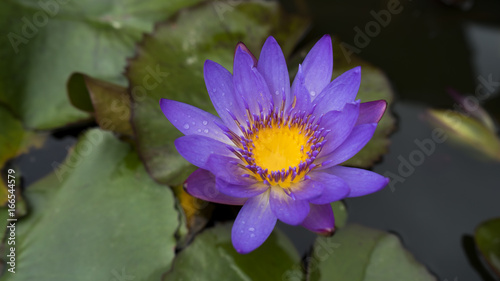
(241, 47)
(325, 38)
(271, 39)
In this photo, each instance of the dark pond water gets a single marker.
(425, 48)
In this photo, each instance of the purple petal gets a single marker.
(272, 66)
(371, 112)
(241, 191)
(358, 138)
(339, 92)
(300, 99)
(220, 88)
(307, 189)
(341, 123)
(245, 49)
(228, 169)
(320, 219)
(201, 184)
(191, 120)
(335, 188)
(249, 83)
(197, 149)
(253, 225)
(289, 210)
(361, 182)
(318, 66)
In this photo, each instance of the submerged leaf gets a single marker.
(14, 140)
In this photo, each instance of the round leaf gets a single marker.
(98, 216)
(358, 253)
(45, 41)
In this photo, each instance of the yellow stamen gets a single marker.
(280, 148)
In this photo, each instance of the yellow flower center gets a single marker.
(276, 149)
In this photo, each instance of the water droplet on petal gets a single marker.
(199, 130)
(277, 93)
(252, 235)
(251, 229)
(186, 126)
(205, 131)
(313, 93)
(214, 90)
(205, 122)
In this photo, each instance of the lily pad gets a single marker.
(108, 102)
(340, 213)
(14, 140)
(98, 217)
(213, 257)
(487, 239)
(45, 41)
(467, 131)
(169, 64)
(358, 253)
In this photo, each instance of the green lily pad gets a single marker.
(211, 256)
(99, 216)
(169, 65)
(14, 140)
(45, 41)
(358, 253)
(340, 213)
(108, 102)
(487, 239)
(467, 131)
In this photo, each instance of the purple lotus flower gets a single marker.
(276, 149)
